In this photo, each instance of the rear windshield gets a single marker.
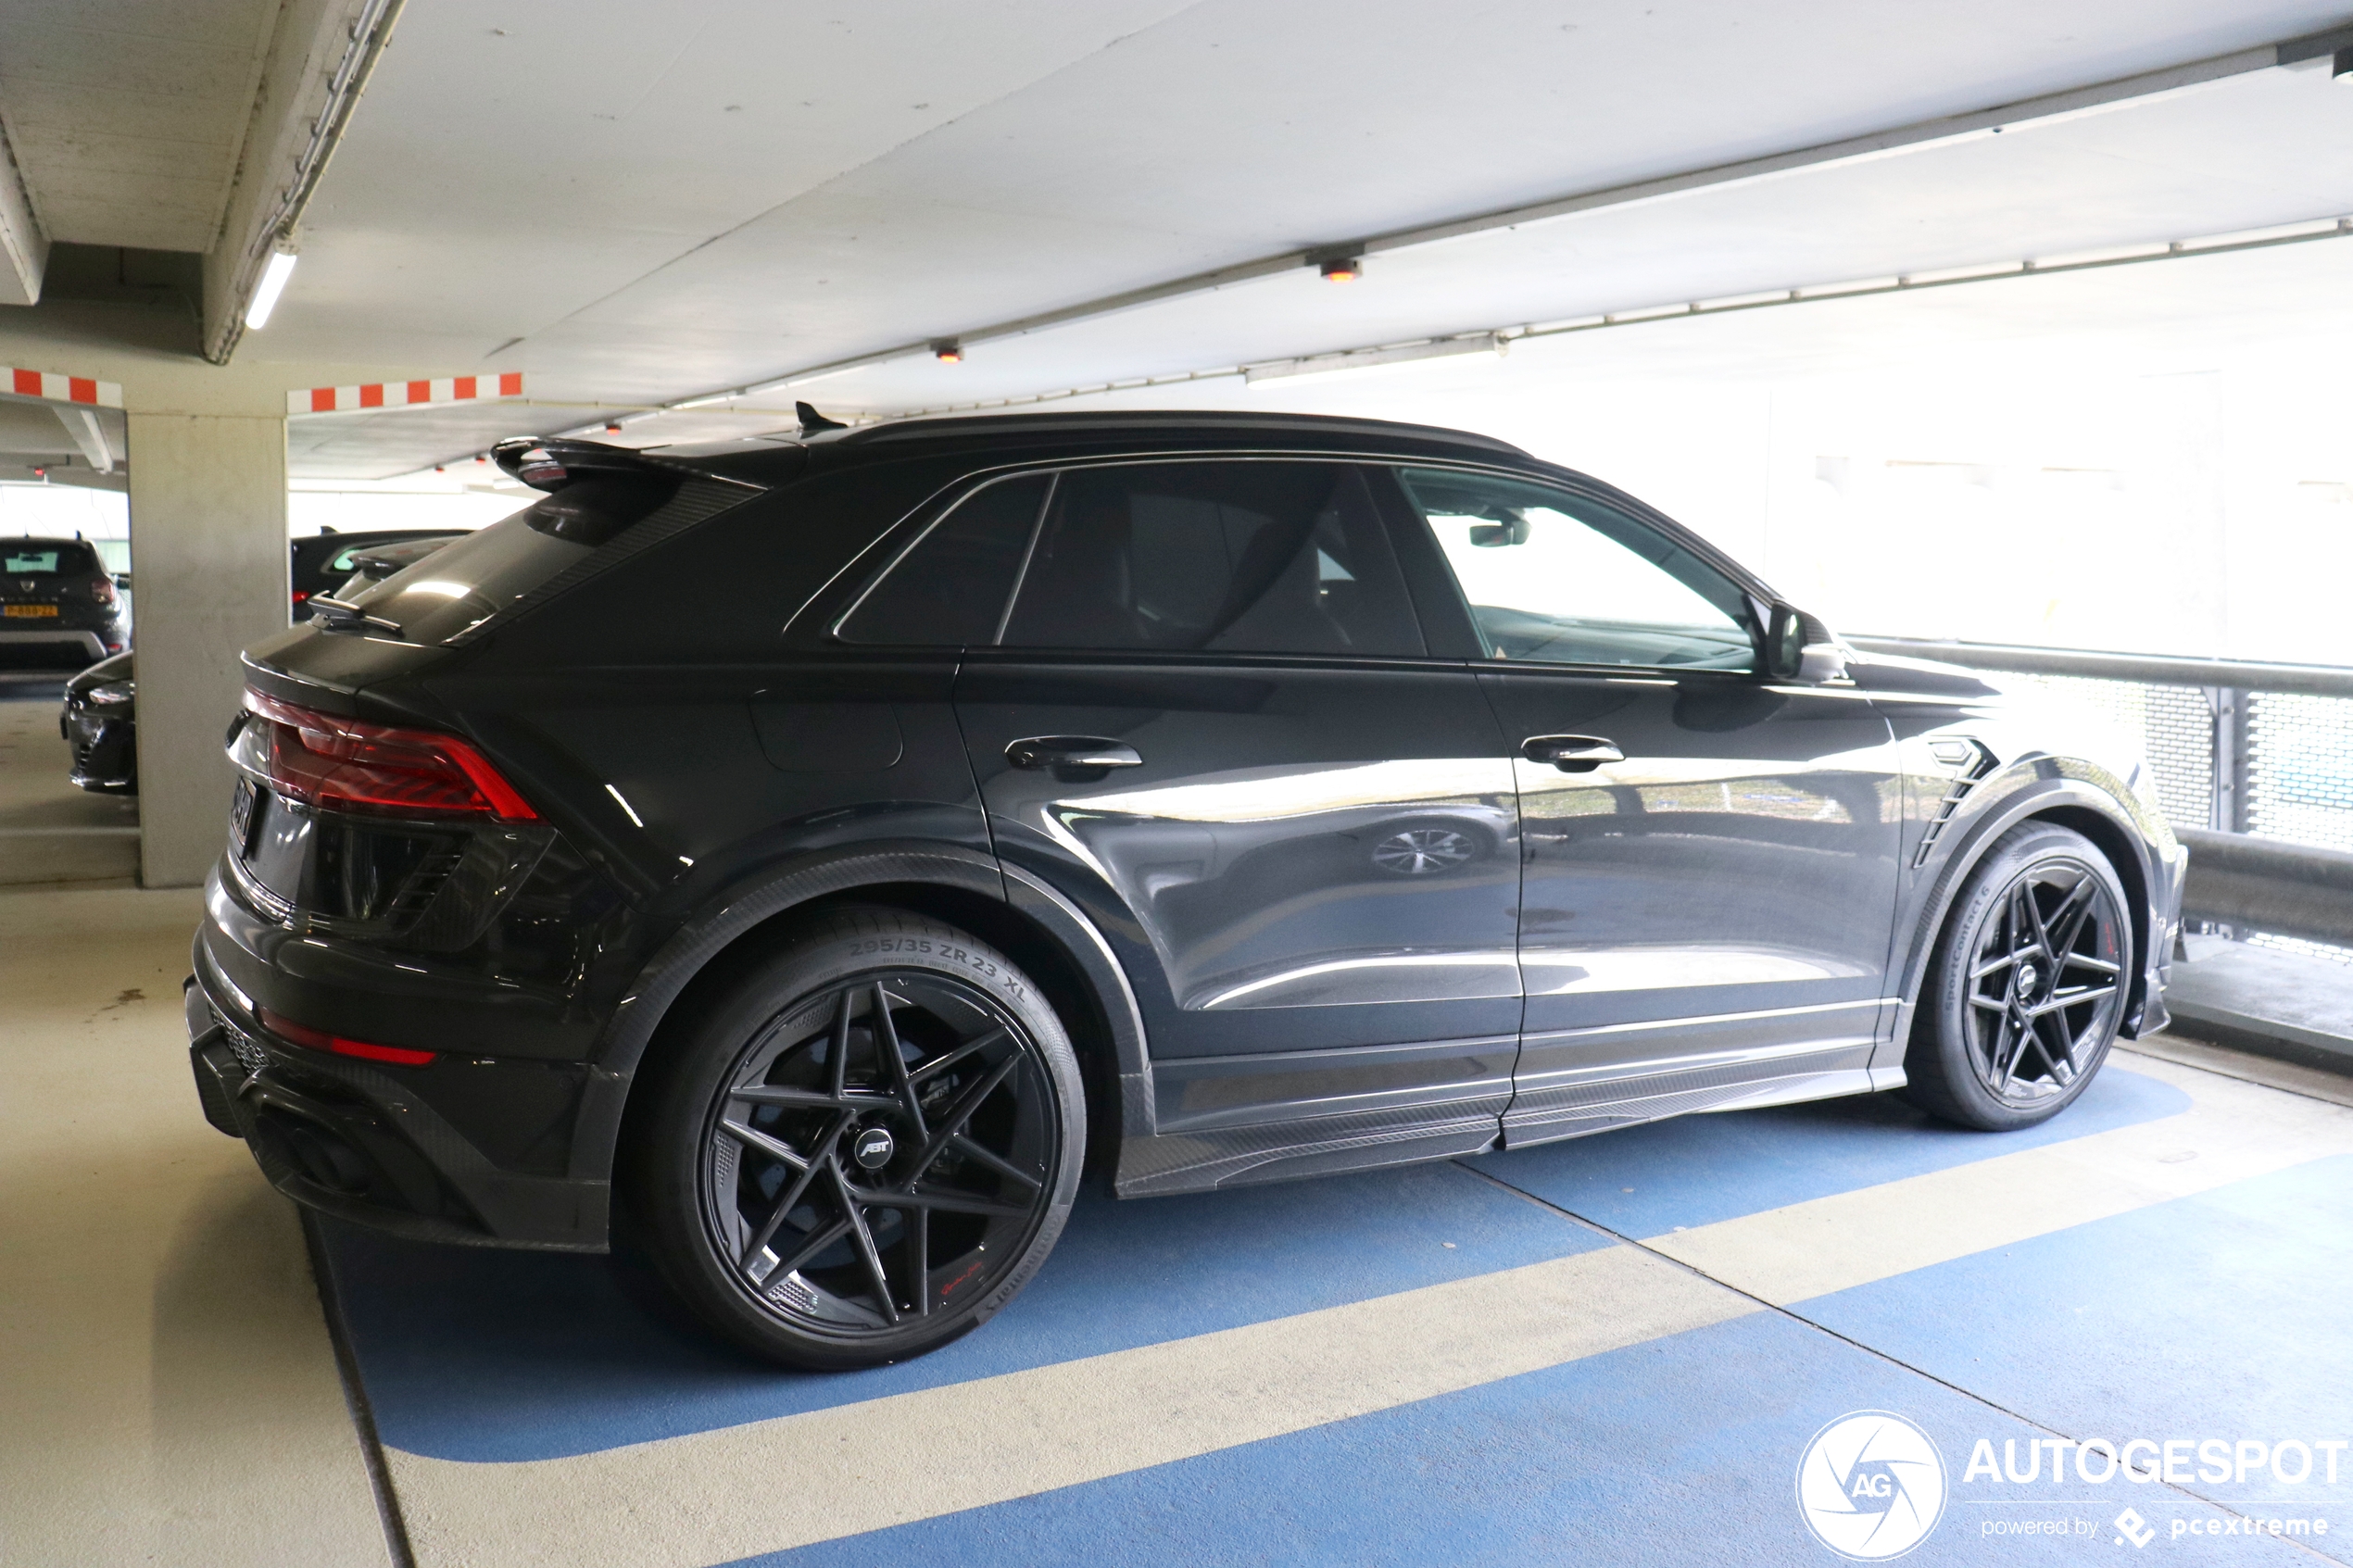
(48, 558)
(482, 574)
(325, 559)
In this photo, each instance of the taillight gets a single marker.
(350, 765)
(286, 1028)
(300, 594)
(102, 590)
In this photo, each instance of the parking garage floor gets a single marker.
(1611, 1350)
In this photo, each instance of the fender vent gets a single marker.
(1970, 762)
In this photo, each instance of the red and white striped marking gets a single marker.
(405, 393)
(61, 388)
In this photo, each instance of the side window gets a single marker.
(949, 590)
(1555, 578)
(1237, 555)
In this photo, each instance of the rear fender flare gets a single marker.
(703, 938)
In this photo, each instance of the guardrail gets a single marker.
(2254, 764)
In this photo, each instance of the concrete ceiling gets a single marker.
(634, 204)
(127, 116)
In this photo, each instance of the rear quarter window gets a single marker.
(726, 589)
(500, 570)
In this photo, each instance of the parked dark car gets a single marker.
(321, 561)
(377, 562)
(99, 721)
(806, 857)
(59, 602)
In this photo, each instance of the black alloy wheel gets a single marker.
(869, 1148)
(2027, 986)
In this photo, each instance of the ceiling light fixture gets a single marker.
(1342, 268)
(1355, 360)
(948, 351)
(273, 285)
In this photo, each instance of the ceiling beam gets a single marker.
(24, 245)
(319, 64)
(83, 425)
(2044, 109)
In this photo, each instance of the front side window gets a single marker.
(1555, 578)
(1235, 556)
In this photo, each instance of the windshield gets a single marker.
(48, 558)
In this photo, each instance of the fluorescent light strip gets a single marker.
(273, 285)
(1352, 361)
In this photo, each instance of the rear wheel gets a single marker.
(866, 1149)
(2026, 985)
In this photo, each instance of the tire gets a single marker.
(1996, 1044)
(785, 1187)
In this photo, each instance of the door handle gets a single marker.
(1073, 758)
(1571, 754)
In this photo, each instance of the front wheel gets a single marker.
(2026, 985)
(866, 1149)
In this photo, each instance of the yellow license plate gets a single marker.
(29, 612)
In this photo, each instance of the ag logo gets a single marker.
(1871, 1485)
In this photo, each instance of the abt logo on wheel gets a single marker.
(1871, 1485)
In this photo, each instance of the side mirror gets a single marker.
(1799, 648)
(122, 580)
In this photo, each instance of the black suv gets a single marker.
(806, 856)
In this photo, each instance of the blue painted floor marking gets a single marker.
(1696, 1170)
(478, 1354)
(2223, 1315)
(1680, 1451)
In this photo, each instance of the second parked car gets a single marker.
(99, 720)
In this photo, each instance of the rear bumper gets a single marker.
(354, 1140)
(82, 640)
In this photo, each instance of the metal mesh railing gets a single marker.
(2300, 768)
(2174, 725)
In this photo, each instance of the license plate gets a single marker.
(241, 819)
(29, 612)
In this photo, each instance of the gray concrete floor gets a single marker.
(2284, 1004)
(170, 1394)
(51, 832)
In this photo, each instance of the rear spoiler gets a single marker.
(551, 463)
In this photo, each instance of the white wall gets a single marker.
(2147, 488)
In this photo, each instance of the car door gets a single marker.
(1708, 857)
(1208, 717)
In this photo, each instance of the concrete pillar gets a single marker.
(209, 564)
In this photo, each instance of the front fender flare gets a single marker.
(2154, 885)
